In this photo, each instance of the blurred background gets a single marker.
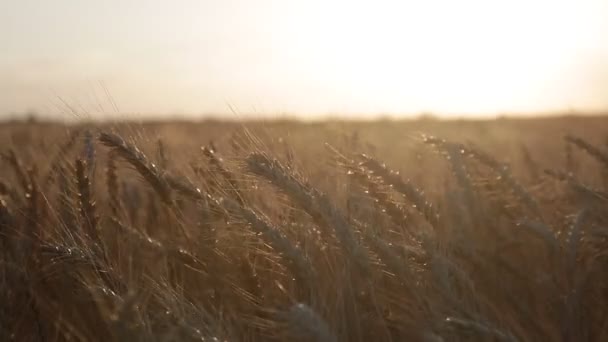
(305, 59)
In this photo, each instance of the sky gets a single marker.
(306, 58)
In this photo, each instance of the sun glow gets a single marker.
(470, 56)
(310, 57)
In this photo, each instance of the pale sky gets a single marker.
(306, 57)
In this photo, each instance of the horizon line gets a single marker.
(289, 116)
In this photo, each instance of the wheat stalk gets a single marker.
(85, 201)
(140, 162)
(593, 151)
(312, 201)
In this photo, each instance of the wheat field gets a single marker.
(421, 230)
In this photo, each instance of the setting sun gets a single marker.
(307, 57)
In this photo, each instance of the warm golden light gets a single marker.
(451, 57)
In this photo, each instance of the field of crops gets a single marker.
(421, 230)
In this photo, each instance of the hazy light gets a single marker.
(307, 57)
